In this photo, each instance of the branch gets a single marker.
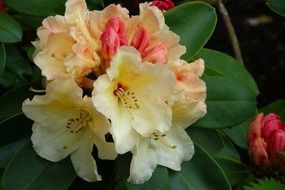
(231, 31)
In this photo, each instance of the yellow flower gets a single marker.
(65, 123)
(133, 95)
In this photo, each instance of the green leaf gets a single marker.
(238, 133)
(29, 22)
(277, 6)
(194, 22)
(229, 160)
(202, 172)
(10, 29)
(220, 64)
(27, 171)
(266, 184)
(15, 128)
(277, 107)
(18, 69)
(208, 139)
(3, 58)
(11, 101)
(159, 179)
(37, 7)
(229, 103)
(7, 151)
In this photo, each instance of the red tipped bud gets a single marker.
(163, 5)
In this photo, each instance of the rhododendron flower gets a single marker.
(266, 138)
(163, 5)
(167, 149)
(188, 101)
(133, 95)
(65, 123)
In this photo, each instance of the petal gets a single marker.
(53, 145)
(75, 11)
(50, 66)
(174, 148)
(152, 17)
(82, 160)
(105, 102)
(186, 112)
(143, 163)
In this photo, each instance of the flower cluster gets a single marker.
(111, 73)
(266, 137)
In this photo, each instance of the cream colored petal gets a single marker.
(152, 18)
(187, 113)
(105, 102)
(171, 41)
(75, 11)
(143, 163)
(50, 67)
(83, 61)
(82, 159)
(57, 106)
(55, 50)
(174, 148)
(51, 25)
(53, 144)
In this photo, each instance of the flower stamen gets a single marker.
(160, 137)
(128, 99)
(75, 125)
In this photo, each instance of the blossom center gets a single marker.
(126, 97)
(157, 136)
(76, 124)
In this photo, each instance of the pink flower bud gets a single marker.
(266, 138)
(277, 142)
(110, 42)
(257, 152)
(141, 39)
(155, 54)
(117, 24)
(2, 6)
(113, 37)
(254, 130)
(271, 123)
(163, 5)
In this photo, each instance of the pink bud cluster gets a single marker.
(266, 139)
(163, 5)
(2, 6)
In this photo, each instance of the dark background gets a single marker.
(262, 45)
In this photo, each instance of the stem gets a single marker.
(231, 31)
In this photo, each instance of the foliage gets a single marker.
(220, 160)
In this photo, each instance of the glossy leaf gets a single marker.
(202, 172)
(238, 133)
(37, 7)
(7, 151)
(220, 64)
(229, 160)
(159, 179)
(18, 69)
(3, 58)
(209, 139)
(14, 129)
(27, 171)
(11, 101)
(10, 29)
(277, 6)
(277, 107)
(229, 103)
(194, 22)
